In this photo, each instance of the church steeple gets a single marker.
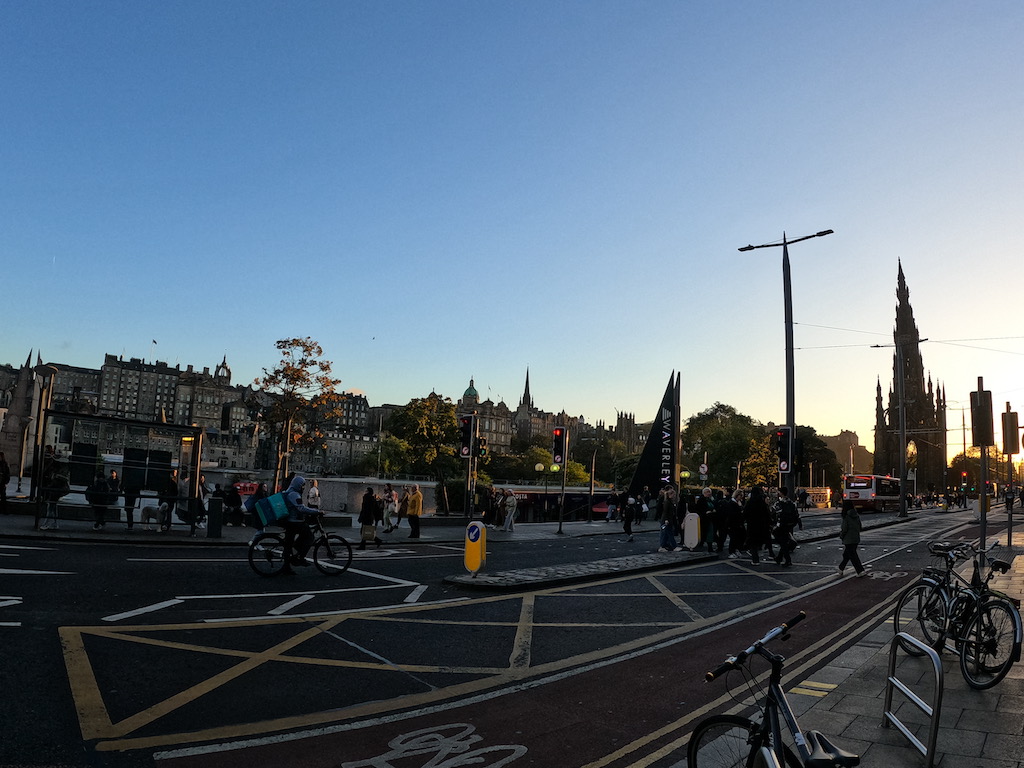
(526, 399)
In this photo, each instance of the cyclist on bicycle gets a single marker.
(298, 538)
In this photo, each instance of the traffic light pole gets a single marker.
(560, 455)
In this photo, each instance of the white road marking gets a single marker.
(145, 609)
(29, 572)
(415, 594)
(285, 607)
(318, 614)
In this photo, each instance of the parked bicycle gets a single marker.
(948, 612)
(331, 553)
(730, 740)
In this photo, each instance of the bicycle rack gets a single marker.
(931, 710)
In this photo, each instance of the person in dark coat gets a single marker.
(758, 520)
(233, 506)
(368, 511)
(849, 534)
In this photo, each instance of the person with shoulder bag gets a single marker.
(789, 519)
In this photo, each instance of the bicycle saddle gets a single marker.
(825, 754)
(1000, 565)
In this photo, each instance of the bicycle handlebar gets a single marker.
(736, 661)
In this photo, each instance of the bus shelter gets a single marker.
(144, 453)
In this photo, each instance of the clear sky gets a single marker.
(440, 190)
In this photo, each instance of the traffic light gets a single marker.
(784, 448)
(467, 424)
(559, 437)
(481, 446)
(981, 418)
(1011, 440)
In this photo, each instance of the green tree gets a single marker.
(391, 458)
(430, 429)
(303, 399)
(724, 436)
(818, 458)
(761, 467)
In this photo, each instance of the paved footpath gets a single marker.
(977, 729)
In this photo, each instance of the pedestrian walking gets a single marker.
(403, 506)
(849, 534)
(389, 499)
(368, 520)
(414, 510)
(667, 514)
(313, 495)
(704, 506)
(511, 507)
(629, 517)
(613, 506)
(733, 517)
(789, 519)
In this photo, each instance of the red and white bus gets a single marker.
(872, 492)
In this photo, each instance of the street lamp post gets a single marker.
(542, 469)
(787, 291)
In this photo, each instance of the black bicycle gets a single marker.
(731, 741)
(946, 611)
(332, 554)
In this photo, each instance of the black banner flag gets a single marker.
(659, 461)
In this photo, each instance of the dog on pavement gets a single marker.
(153, 514)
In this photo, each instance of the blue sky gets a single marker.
(440, 190)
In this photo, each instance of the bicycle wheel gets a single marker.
(332, 554)
(723, 741)
(266, 554)
(921, 613)
(987, 645)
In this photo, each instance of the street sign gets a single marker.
(783, 466)
(703, 469)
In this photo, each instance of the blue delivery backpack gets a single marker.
(271, 509)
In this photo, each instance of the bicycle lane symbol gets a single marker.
(446, 746)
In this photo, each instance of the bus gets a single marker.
(872, 492)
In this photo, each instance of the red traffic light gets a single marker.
(558, 445)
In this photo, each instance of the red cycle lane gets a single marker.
(609, 716)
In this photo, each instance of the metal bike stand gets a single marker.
(931, 710)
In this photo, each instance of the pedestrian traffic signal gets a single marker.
(481, 446)
(559, 437)
(784, 449)
(467, 424)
